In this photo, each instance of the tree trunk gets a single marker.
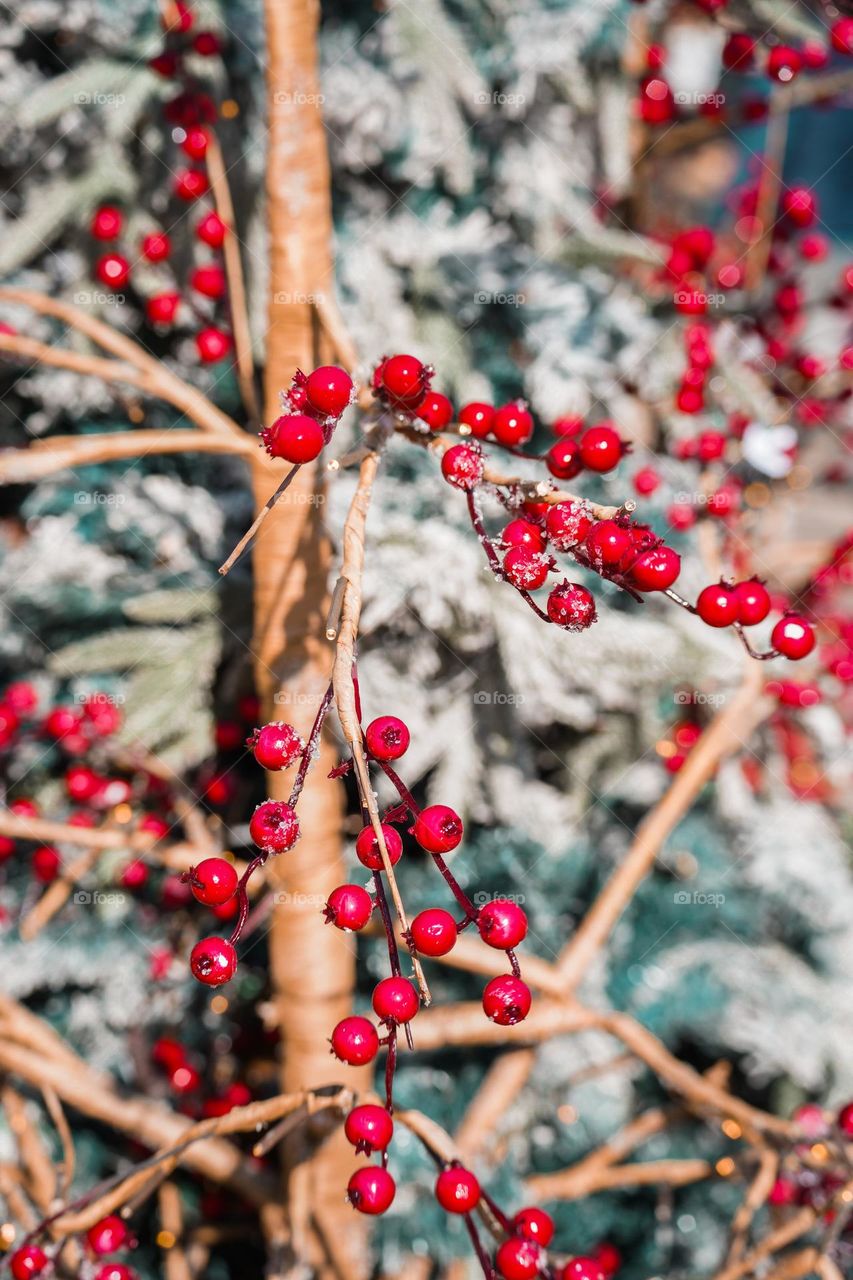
(312, 965)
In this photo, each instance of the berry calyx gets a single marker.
(601, 447)
(525, 568)
(349, 907)
(212, 345)
(387, 738)
(793, 637)
(395, 1001)
(563, 459)
(571, 606)
(329, 390)
(434, 932)
(753, 601)
(535, 1224)
(28, 1261)
(371, 1190)
(213, 881)
(274, 826)
(367, 847)
(717, 605)
(355, 1041)
(112, 269)
(435, 410)
(108, 1235)
(457, 1190)
(403, 380)
(162, 308)
(567, 524)
(582, 1269)
(512, 424)
(276, 745)
(211, 230)
(106, 222)
(294, 437)
(213, 961)
(655, 569)
(462, 466)
(369, 1128)
(478, 416)
(438, 829)
(506, 1000)
(518, 1259)
(502, 924)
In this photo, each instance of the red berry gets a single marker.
(518, 1259)
(166, 64)
(457, 1190)
(134, 875)
(190, 184)
(567, 524)
(329, 390)
(739, 51)
(841, 35)
(435, 410)
(211, 230)
(657, 103)
(196, 142)
(800, 206)
(646, 481)
(462, 466)
(564, 460)
(28, 1261)
(208, 281)
(582, 1269)
(502, 924)
(207, 44)
(438, 829)
(718, 605)
(783, 63)
(355, 1041)
(387, 738)
(276, 745)
(608, 1258)
(108, 1235)
(571, 606)
(403, 380)
(371, 1190)
(369, 1128)
(601, 447)
(655, 569)
(793, 637)
(349, 907)
(213, 881)
(294, 437)
(434, 932)
(753, 602)
(535, 1224)
(115, 1271)
(395, 1000)
(213, 961)
(367, 847)
(512, 424)
(845, 1120)
(525, 568)
(112, 269)
(784, 1191)
(274, 826)
(607, 543)
(522, 533)
(568, 425)
(21, 697)
(506, 1000)
(81, 783)
(478, 416)
(46, 864)
(106, 222)
(212, 345)
(162, 308)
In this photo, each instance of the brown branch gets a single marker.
(39, 1173)
(572, 1183)
(756, 1195)
(63, 453)
(249, 535)
(769, 186)
(69, 1155)
(175, 1264)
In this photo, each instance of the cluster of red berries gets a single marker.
(74, 728)
(746, 604)
(675, 749)
(107, 1236)
(314, 404)
(814, 1177)
(179, 1066)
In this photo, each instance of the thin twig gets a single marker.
(259, 519)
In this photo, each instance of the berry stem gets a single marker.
(310, 747)
(247, 537)
(492, 556)
(482, 1257)
(243, 897)
(393, 949)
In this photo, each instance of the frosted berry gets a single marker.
(276, 745)
(108, 1235)
(46, 864)
(457, 1190)
(522, 533)
(403, 380)
(329, 390)
(571, 606)
(462, 466)
(212, 345)
(209, 281)
(213, 961)
(387, 738)
(435, 410)
(607, 543)
(478, 416)
(433, 932)
(274, 826)
(656, 569)
(294, 437)
(506, 1000)
(355, 1041)
(106, 222)
(753, 600)
(213, 881)
(601, 447)
(196, 142)
(371, 1190)
(191, 184)
(367, 847)
(395, 1000)
(582, 1269)
(28, 1261)
(717, 605)
(369, 1128)
(525, 568)
(161, 308)
(438, 829)
(563, 459)
(793, 637)
(567, 524)
(113, 270)
(535, 1224)
(211, 230)
(518, 1259)
(512, 424)
(502, 924)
